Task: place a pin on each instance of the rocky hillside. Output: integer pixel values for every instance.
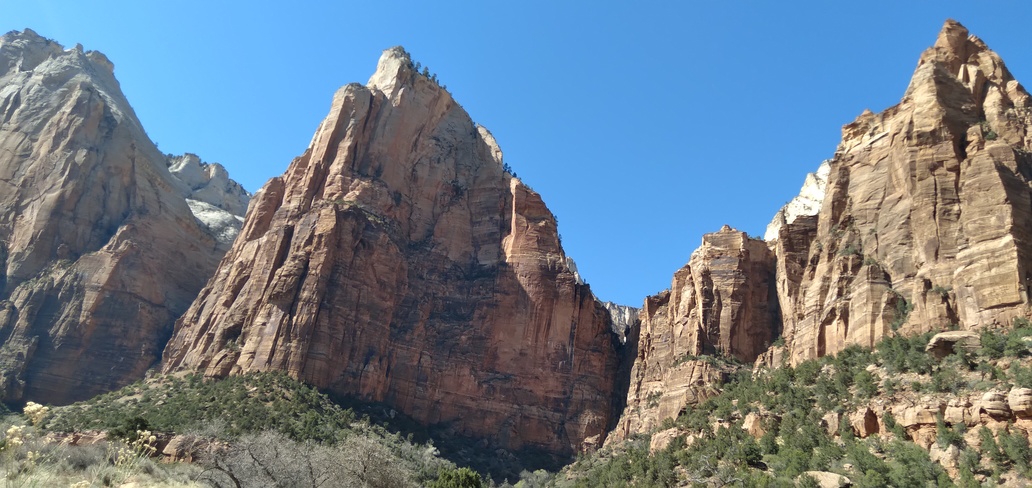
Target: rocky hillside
(397, 261)
(919, 223)
(99, 249)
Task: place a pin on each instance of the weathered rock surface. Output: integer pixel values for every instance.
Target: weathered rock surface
(945, 343)
(99, 251)
(215, 199)
(397, 262)
(721, 302)
(1020, 402)
(806, 204)
(827, 479)
(926, 220)
(864, 422)
(623, 318)
(995, 405)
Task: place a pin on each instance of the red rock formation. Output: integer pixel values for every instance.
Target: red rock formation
(99, 252)
(722, 302)
(396, 261)
(927, 217)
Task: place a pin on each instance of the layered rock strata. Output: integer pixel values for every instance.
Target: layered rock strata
(99, 251)
(926, 220)
(722, 303)
(396, 261)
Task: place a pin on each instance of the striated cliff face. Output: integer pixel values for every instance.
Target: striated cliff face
(927, 215)
(99, 251)
(722, 303)
(396, 262)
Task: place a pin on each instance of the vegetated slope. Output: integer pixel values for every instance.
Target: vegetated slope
(99, 249)
(919, 222)
(398, 261)
(259, 429)
(892, 416)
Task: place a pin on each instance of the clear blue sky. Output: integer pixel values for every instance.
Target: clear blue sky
(643, 125)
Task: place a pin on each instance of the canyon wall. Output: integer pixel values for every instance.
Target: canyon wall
(721, 307)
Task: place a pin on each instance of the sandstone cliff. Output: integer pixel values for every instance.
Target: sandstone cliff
(722, 303)
(99, 251)
(926, 217)
(397, 262)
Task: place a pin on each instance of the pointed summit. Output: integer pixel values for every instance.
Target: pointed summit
(953, 38)
(396, 261)
(969, 60)
(394, 69)
(929, 194)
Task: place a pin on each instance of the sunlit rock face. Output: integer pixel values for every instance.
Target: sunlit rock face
(397, 262)
(99, 251)
(722, 303)
(216, 200)
(927, 211)
(922, 220)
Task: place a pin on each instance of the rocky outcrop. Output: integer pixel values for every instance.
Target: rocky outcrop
(397, 261)
(215, 199)
(806, 204)
(99, 251)
(945, 343)
(926, 217)
(722, 303)
(623, 319)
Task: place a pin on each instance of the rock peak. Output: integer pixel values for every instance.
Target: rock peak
(953, 37)
(393, 70)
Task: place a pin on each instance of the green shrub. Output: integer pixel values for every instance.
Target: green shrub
(946, 436)
(457, 478)
(866, 384)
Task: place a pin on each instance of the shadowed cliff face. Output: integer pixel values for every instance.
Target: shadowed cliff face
(927, 217)
(99, 251)
(396, 262)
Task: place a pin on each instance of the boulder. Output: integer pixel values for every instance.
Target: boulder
(828, 480)
(864, 422)
(662, 439)
(1019, 400)
(995, 405)
(945, 343)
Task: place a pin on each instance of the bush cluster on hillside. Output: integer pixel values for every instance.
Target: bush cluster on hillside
(793, 402)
